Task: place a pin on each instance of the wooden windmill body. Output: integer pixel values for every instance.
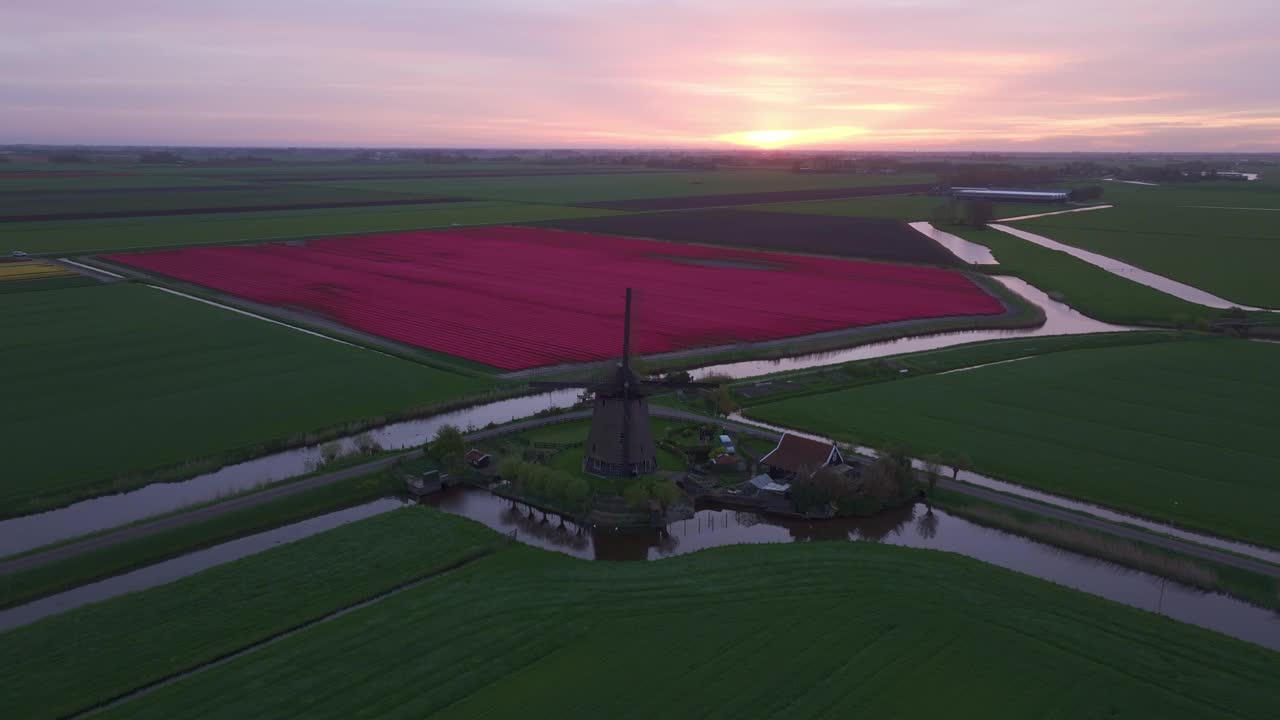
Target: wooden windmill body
(620, 443)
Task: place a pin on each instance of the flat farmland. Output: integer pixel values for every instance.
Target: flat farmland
(685, 202)
(77, 204)
(1221, 237)
(1182, 432)
(874, 239)
(1089, 289)
(498, 638)
(910, 208)
(108, 386)
(587, 188)
(72, 237)
(520, 297)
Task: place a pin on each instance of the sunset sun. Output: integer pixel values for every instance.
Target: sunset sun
(774, 139)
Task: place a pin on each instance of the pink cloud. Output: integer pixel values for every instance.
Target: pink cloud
(932, 74)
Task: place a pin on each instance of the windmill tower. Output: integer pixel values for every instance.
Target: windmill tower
(620, 443)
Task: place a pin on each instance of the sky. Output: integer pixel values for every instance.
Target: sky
(1025, 75)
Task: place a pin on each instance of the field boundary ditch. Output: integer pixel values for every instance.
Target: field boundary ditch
(179, 675)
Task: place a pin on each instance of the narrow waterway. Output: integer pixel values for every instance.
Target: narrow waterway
(167, 571)
(1240, 548)
(909, 527)
(101, 513)
(1130, 272)
(1060, 319)
(108, 511)
(970, 252)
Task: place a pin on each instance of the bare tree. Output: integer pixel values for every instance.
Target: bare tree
(932, 469)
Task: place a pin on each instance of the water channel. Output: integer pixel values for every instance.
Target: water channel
(1130, 272)
(909, 527)
(1240, 548)
(167, 571)
(101, 513)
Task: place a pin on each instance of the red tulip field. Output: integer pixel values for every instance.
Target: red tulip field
(520, 297)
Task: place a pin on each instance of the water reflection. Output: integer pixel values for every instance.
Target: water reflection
(1060, 319)
(908, 527)
(970, 252)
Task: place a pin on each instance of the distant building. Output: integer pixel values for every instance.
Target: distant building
(795, 455)
(1010, 195)
(1231, 175)
(477, 458)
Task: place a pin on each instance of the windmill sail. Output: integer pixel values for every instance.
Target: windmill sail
(620, 443)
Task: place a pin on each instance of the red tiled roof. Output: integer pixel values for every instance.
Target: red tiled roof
(795, 453)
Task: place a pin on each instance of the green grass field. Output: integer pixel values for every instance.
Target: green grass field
(119, 644)
(158, 201)
(70, 237)
(1189, 233)
(107, 385)
(1089, 289)
(601, 188)
(1182, 432)
(807, 630)
(24, 586)
(909, 208)
(569, 460)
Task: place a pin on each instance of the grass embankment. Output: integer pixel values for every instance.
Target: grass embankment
(147, 386)
(104, 650)
(863, 372)
(1089, 289)
(22, 587)
(1251, 587)
(1219, 236)
(74, 237)
(803, 630)
(1180, 432)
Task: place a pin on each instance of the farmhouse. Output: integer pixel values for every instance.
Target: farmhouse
(477, 458)
(1010, 195)
(795, 455)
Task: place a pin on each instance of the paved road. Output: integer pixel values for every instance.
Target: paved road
(253, 499)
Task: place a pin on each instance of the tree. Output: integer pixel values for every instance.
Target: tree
(449, 449)
(978, 212)
(330, 452)
(1086, 193)
(720, 400)
(958, 463)
(889, 477)
(509, 468)
(577, 494)
(814, 491)
(932, 469)
(678, 376)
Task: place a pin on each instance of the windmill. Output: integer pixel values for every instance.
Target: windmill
(620, 443)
